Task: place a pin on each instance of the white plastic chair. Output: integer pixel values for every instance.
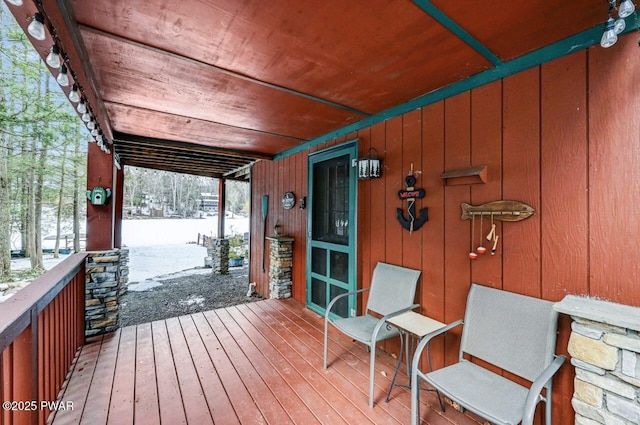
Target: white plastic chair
(392, 292)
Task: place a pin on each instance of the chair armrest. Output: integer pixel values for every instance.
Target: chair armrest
(536, 389)
(336, 298)
(423, 343)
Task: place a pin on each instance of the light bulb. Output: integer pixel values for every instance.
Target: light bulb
(107, 151)
(94, 132)
(53, 58)
(99, 138)
(36, 27)
(100, 142)
(619, 26)
(86, 117)
(609, 37)
(82, 108)
(63, 78)
(626, 8)
(15, 2)
(91, 125)
(73, 94)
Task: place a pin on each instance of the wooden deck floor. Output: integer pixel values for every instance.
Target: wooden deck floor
(257, 363)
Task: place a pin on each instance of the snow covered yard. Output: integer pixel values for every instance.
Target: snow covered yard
(156, 247)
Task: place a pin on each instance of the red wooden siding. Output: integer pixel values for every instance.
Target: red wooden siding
(41, 329)
(563, 137)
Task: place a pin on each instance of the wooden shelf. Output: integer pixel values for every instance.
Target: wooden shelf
(471, 175)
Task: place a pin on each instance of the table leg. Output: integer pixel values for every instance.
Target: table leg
(403, 348)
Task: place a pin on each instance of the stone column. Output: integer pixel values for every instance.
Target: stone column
(280, 264)
(605, 351)
(123, 279)
(102, 292)
(219, 254)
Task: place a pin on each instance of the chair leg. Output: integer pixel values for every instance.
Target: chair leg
(326, 342)
(547, 406)
(415, 398)
(372, 372)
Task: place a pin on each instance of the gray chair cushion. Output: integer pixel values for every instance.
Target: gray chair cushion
(501, 400)
(361, 328)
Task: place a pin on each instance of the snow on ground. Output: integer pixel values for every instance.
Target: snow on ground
(152, 282)
(148, 232)
(161, 246)
(158, 248)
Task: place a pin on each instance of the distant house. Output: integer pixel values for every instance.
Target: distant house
(208, 202)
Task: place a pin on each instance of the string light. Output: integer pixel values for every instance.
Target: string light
(74, 96)
(36, 27)
(609, 37)
(612, 28)
(53, 58)
(626, 8)
(63, 78)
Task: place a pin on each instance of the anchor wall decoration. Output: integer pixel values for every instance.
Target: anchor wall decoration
(410, 195)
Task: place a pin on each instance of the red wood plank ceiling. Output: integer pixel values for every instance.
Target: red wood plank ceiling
(254, 80)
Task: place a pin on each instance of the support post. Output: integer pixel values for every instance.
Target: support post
(118, 202)
(100, 218)
(222, 206)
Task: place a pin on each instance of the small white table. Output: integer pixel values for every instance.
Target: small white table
(414, 326)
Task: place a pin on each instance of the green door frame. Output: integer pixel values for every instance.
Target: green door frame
(349, 148)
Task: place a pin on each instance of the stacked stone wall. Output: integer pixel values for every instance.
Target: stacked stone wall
(280, 264)
(103, 283)
(218, 252)
(606, 357)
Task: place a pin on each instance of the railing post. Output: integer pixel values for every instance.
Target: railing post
(22, 374)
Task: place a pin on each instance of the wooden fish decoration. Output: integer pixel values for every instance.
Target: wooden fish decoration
(499, 210)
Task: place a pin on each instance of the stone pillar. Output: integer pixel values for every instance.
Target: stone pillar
(102, 292)
(123, 280)
(280, 263)
(605, 350)
(219, 254)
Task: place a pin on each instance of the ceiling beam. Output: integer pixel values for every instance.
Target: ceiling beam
(223, 70)
(191, 172)
(66, 11)
(177, 157)
(161, 143)
(460, 32)
(250, 130)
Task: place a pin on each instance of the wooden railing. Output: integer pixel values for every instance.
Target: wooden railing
(205, 240)
(41, 329)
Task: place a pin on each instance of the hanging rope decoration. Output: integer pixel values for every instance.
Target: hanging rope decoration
(410, 195)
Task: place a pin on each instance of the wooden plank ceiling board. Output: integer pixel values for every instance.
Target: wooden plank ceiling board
(131, 74)
(368, 55)
(513, 28)
(267, 79)
(160, 125)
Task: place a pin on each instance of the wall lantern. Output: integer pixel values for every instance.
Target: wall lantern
(370, 167)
